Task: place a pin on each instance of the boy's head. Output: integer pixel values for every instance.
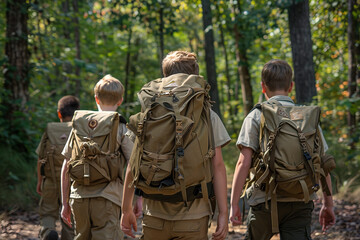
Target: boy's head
(277, 75)
(109, 91)
(180, 62)
(67, 105)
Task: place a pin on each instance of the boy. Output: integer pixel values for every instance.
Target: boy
(294, 217)
(96, 207)
(48, 169)
(170, 220)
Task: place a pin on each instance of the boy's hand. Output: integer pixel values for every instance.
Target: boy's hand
(138, 207)
(221, 228)
(235, 215)
(66, 214)
(128, 222)
(326, 217)
(38, 188)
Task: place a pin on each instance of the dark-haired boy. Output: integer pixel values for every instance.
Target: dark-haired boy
(294, 216)
(48, 169)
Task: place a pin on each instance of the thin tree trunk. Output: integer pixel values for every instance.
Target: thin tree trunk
(127, 65)
(210, 54)
(77, 46)
(227, 72)
(243, 65)
(352, 73)
(161, 36)
(135, 58)
(16, 50)
(301, 48)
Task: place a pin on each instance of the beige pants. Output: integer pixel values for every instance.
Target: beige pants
(161, 229)
(96, 219)
(49, 210)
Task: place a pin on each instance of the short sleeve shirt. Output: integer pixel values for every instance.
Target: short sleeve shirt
(112, 190)
(249, 137)
(199, 207)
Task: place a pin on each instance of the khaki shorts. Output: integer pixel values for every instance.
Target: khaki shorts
(96, 218)
(161, 229)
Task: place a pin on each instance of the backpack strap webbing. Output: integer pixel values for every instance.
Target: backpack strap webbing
(52, 167)
(193, 192)
(179, 152)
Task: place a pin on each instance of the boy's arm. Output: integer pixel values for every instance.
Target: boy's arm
(327, 216)
(39, 178)
(240, 174)
(221, 194)
(65, 193)
(128, 218)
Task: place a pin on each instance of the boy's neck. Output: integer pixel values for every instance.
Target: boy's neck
(102, 107)
(66, 119)
(270, 94)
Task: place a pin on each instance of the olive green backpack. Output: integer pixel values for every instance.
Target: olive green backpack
(57, 133)
(291, 161)
(96, 157)
(174, 146)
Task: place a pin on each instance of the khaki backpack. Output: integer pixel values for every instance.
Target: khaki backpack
(174, 146)
(289, 163)
(57, 133)
(96, 157)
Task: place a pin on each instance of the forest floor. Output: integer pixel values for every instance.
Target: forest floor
(23, 225)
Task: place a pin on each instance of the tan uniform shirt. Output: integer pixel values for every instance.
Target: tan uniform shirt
(249, 137)
(111, 191)
(199, 207)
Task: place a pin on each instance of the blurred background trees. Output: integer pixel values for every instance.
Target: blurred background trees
(55, 48)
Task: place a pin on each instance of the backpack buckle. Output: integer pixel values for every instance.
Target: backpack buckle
(179, 128)
(307, 156)
(180, 152)
(316, 187)
(140, 129)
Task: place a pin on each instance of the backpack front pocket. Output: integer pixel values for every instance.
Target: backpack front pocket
(156, 169)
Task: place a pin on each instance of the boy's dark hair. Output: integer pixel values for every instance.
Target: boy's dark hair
(277, 75)
(67, 105)
(180, 62)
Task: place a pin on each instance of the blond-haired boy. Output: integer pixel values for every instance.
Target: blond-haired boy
(173, 220)
(96, 208)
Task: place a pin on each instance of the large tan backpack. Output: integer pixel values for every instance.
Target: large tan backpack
(96, 157)
(174, 146)
(51, 163)
(289, 162)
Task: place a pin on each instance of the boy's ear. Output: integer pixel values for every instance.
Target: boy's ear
(291, 86)
(263, 87)
(120, 102)
(59, 115)
(97, 99)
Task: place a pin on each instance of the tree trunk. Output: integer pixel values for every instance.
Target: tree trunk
(301, 48)
(226, 58)
(77, 46)
(127, 66)
(243, 65)
(210, 55)
(352, 72)
(161, 36)
(16, 50)
(135, 58)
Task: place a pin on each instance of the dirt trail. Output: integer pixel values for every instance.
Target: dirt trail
(22, 225)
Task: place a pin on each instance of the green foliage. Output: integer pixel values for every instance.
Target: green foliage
(112, 31)
(17, 180)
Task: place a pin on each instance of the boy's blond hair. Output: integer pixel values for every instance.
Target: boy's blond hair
(277, 75)
(180, 62)
(109, 90)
